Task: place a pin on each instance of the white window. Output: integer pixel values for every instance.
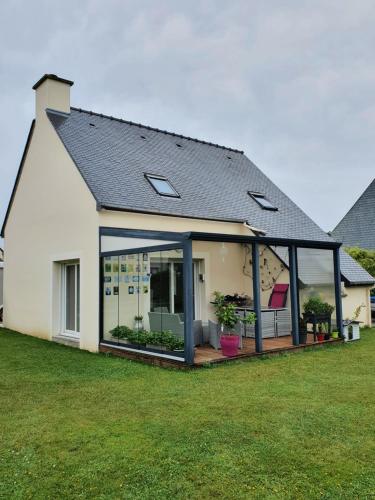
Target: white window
(70, 299)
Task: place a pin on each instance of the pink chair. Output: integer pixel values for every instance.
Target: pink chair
(278, 296)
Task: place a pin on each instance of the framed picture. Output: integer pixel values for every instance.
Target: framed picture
(135, 278)
(107, 279)
(115, 267)
(108, 267)
(123, 268)
(115, 290)
(108, 291)
(145, 289)
(131, 290)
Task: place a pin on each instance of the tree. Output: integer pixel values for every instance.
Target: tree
(366, 258)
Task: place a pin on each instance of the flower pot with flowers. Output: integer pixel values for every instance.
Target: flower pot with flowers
(226, 316)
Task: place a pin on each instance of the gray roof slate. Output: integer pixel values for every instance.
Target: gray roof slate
(212, 180)
(357, 228)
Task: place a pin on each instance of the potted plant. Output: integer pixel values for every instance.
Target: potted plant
(249, 319)
(320, 334)
(138, 322)
(335, 334)
(226, 316)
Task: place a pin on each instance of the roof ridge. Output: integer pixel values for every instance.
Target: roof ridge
(101, 115)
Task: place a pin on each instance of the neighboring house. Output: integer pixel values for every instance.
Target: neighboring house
(114, 228)
(357, 228)
(1, 283)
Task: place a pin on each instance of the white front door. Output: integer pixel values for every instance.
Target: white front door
(70, 299)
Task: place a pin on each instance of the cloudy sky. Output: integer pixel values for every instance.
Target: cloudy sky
(290, 82)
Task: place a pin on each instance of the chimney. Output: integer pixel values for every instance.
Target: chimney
(51, 92)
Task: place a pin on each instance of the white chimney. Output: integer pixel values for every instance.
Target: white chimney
(51, 92)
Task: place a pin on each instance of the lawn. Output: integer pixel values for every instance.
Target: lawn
(81, 425)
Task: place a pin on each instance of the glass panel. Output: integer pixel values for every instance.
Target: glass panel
(70, 298)
(316, 289)
(143, 301)
(162, 186)
(110, 273)
(225, 268)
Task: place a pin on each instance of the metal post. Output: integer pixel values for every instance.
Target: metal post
(337, 272)
(188, 302)
(294, 293)
(256, 294)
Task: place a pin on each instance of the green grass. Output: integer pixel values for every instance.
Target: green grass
(81, 425)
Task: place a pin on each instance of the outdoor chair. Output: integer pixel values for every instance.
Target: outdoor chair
(172, 322)
(278, 296)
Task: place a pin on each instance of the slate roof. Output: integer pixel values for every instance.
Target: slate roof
(213, 181)
(357, 228)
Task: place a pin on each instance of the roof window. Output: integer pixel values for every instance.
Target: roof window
(262, 201)
(162, 185)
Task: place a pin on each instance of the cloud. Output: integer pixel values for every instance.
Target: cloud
(291, 83)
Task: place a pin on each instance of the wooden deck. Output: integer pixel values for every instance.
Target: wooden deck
(207, 354)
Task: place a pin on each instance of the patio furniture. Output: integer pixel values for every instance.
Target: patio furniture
(278, 296)
(314, 320)
(275, 322)
(172, 322)
(214, 333)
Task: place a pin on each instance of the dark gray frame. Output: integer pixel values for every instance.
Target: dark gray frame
(184, 241)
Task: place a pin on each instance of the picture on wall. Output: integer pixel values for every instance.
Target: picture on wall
(115, 290)
(108, 267)
(145, 257)
(115, 267)
(123, 268)
(108, 291)
(131, 290)
(135, 278)
(145, 289)
(107, 279)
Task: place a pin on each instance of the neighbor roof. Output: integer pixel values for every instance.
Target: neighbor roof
(213, 181)
(357, 228)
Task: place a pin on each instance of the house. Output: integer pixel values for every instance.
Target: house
(1, 283)
(357, 227)
(130, 229)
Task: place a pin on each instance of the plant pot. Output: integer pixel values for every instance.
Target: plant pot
(327, 336)
(229, 345)
(335, 335)
(302, 338)
(320, 337)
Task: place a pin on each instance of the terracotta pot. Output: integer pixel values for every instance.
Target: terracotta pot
(320, 337)
(229, 345)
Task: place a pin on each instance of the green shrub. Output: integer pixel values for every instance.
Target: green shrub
(315, 305)
(142, 337)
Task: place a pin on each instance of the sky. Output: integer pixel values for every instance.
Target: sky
(292, 83)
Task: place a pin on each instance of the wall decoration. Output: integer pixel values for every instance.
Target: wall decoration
(269, 273)
(108, 291)
(135, 278)
(145, 289)
(123, 268)
(145, 279)
(107, 279)
(145, 257)
(107, 267)
(115, 267)
(115, 290)
(131, 290)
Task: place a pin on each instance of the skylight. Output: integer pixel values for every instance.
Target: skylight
(262, 201)
(162, 185)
